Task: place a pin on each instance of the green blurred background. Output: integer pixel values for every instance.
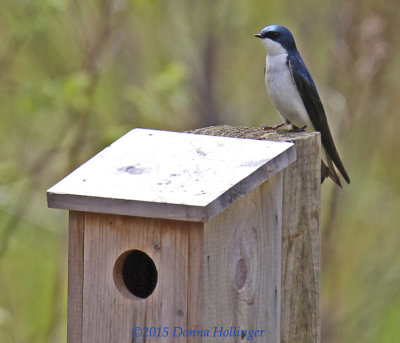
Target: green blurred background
(76, 75)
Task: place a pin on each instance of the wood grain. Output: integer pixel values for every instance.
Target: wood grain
(109, 316)
(75, 276)
(242, 252)
(301, 256)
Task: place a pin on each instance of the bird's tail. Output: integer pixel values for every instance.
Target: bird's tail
(328, 170)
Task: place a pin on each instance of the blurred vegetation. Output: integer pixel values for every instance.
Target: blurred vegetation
(76, 75)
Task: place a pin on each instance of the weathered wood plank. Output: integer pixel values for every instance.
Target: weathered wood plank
(195, 282)
(170, 175)
(75, 276)
(168, 243)
(301, 255)
(242, 252)
(300, 316)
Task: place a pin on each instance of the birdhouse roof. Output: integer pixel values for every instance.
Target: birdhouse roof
(171, 175)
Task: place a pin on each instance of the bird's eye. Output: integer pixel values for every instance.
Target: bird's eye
(271, 34)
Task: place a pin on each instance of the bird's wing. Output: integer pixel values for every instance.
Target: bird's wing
(308, 92)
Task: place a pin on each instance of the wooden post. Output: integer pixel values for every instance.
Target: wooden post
(301, 257)
(176, 237)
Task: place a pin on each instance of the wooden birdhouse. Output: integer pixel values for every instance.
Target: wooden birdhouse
(175, 237)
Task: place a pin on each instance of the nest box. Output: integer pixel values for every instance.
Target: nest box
(175, 237)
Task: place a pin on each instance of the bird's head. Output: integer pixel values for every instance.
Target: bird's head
(276, 39)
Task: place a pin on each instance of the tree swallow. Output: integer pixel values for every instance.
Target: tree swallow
(293, 92)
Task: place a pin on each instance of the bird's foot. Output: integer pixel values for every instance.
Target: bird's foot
(273, 127)
(296, 129)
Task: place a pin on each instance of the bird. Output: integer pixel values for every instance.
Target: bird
(293, 92)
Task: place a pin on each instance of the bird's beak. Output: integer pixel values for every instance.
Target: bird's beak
(258, 35)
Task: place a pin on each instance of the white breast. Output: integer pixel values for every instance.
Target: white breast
(283, 92)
